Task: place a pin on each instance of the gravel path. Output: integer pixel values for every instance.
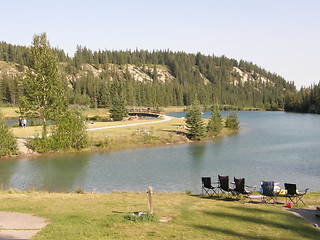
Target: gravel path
(166, 118)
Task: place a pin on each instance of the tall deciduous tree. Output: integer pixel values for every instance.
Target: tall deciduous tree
(195, 123)
(44, 96)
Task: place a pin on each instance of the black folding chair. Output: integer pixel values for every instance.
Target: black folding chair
(207, 186)
(240, 189)
(293, 195)
(268, 191)
(224, 186)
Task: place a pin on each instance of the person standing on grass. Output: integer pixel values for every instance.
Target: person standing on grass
(24, 122)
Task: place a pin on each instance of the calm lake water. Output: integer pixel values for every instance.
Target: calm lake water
(276, 146)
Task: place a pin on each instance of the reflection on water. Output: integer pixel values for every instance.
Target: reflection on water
(275, 146)
(47, 173)
(7, 169)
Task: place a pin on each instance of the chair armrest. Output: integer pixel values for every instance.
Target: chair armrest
(305, 191)
(254, 187)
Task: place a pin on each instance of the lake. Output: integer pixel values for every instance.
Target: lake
(275, 146)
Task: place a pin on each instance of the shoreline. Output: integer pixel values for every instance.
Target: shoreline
(119, 144)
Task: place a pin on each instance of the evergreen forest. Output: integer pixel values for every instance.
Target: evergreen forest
(153, 79)
(307, 100)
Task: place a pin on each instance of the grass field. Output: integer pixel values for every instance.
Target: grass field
(10, 112)
(104, 216)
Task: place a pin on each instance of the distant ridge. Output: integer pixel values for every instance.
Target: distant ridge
(155, 79)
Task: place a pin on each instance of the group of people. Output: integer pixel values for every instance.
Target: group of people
(22, 122)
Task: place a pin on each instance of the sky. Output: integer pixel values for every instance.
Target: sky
(281, 36)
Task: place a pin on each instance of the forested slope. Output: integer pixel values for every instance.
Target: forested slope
(144, 78)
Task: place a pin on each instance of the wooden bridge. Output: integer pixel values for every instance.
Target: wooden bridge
(144, 112)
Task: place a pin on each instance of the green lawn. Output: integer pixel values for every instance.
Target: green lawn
(102, 216)
(10, 112)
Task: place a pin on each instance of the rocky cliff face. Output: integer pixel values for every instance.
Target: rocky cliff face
(145, 73)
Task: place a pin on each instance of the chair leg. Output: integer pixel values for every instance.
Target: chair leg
(215, 192)
(299, 199)
(204, 191)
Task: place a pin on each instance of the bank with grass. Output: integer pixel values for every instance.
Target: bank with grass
(118, 135)
(108, 216)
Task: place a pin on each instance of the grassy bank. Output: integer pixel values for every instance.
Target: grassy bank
(10, 112)
(105, 216)
(155, 132)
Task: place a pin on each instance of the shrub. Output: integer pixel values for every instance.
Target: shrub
(8, 144)
(232, 121)
(68, 133)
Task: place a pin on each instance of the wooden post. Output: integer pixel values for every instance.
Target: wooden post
(150, 200)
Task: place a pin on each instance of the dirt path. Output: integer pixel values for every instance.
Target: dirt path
(308, 214)
(22, 146)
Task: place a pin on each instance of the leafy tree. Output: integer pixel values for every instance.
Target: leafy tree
(8, 145)
(195, 123)
(232, 121)
(69, 131)
(214, 126)
(118, 109)
(43, 88)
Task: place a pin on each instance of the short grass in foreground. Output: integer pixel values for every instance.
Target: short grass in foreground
(105, 216)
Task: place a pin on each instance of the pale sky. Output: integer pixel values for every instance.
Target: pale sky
(281, 36)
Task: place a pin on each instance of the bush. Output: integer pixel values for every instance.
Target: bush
(232, 121)
(68, 133)
(8, 144)
(40, 144)
(107, 142)
(149, 139)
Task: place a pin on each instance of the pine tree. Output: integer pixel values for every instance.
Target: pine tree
(118, 110)
(215, 123)
(195, 123)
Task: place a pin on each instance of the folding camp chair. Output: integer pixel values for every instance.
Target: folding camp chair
(207, 186)
(240, 187)
(268, 191)
(293, 195)
(224, 186)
